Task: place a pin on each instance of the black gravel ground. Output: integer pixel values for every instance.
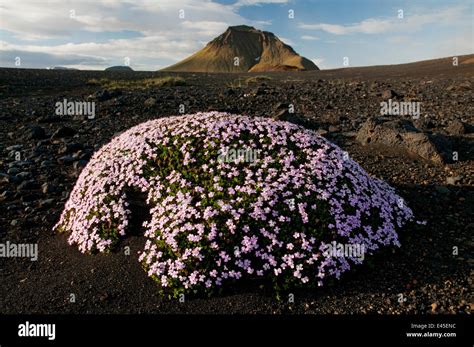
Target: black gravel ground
(426, 275)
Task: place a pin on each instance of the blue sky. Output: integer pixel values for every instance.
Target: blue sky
(152, 34)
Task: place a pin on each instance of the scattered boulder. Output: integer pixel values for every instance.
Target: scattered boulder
(70, 148)
(333, 119)
(463, 86)
(423, 123)
(389, 94)
(104, 94)
(66, 160)
(295, 118)
(466, 85)
(403, 135)
(282, 113)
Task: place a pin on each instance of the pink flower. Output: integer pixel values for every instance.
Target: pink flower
(212, 221)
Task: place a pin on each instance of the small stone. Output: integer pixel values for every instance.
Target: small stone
(389, 94)
(35, 132)
(453, 180)
(29, 197)
(104, 94)
(46, 163)
(70, 148)
(63, 132)
(282, 114)
(27, 185)
(66, 160)
(13, 171)
(150, 102)
(321, 131)
(46, 203)
(6, 195)
(14, 148)
(47, 188)
(24, 175)
(80, 164)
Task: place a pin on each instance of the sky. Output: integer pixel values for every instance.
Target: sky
(152, 34)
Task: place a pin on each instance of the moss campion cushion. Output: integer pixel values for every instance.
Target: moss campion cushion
(217, 218)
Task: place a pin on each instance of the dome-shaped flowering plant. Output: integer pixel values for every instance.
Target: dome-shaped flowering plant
(233, 197)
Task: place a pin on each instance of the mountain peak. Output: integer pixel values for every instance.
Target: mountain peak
(241, 28)
(243, 48)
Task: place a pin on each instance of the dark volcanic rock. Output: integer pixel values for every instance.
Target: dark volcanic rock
(423, 124)
(63, 132)
(35, 132)
(282, 112)
(48, 188)
(104, 94)
(70, 148)
(403, 135)
(389, 94)
(80, 164)
(285, 115)
(150, 102)
(66, 160)
(50, 119)
(28, 185)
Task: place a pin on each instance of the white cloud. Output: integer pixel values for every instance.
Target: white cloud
(309, 38)
(287, 41)
(318, 61)
(165, 36)
(151, 49)
(241, 3)
(454, 15)
(368, 26)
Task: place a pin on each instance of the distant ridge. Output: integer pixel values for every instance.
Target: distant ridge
(63, 68)
(119, 68)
